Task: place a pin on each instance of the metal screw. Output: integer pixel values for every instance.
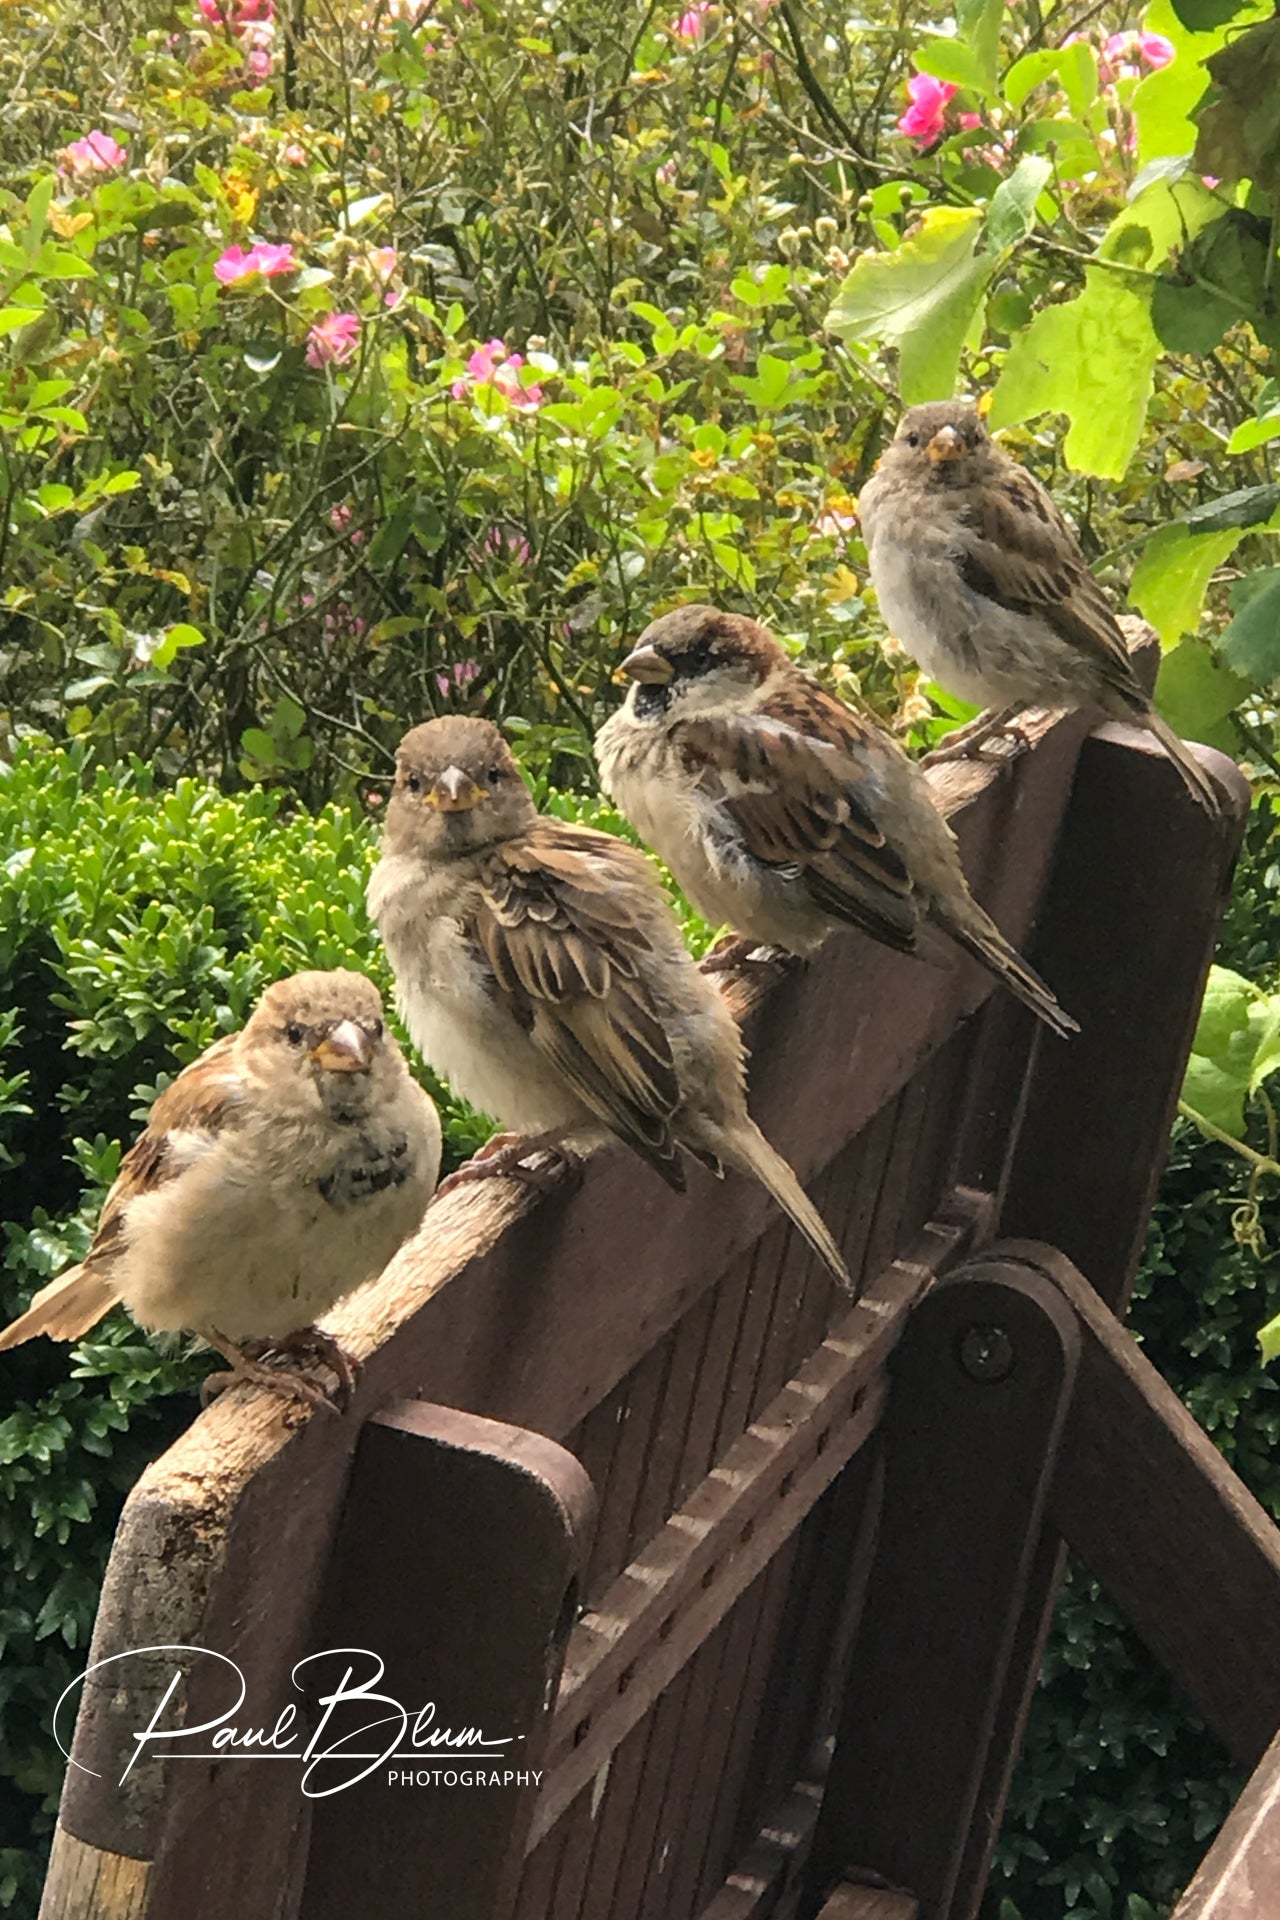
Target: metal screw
(986, 1354)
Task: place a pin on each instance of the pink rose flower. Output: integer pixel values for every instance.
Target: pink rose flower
(924, 120)
(295, 155)
(688, 25)
(492, 366)
(460, 675)
(383, 262)
(96, 153)
(263, 257)
(1155, 49)
(333, 340)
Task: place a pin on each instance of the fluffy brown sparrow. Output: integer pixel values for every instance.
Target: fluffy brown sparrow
(538, 965)
(781, 811)
(983, 582)
(277, 1172)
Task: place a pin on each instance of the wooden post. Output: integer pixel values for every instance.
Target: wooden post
(980, 1388)
(457, 1563)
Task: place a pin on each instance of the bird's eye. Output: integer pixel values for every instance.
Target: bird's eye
(295, 1034)
(376, 1030)
(494, 776)
(413, 783)
(913, 439)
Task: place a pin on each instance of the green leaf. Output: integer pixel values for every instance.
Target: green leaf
(122, 482)
(11, 318)
(175, 639)
(1093, 359)
(1076, 67)
(39, 201)
(1197, 693)
(1246, 507)
(921, 299)
(1222, 1052)
(1269, 1340)
(1012, 213)
(1164, 102)
(952, 60)
(979, 23)
(1251, 644)
(1240, 117)
(1255, 433)
(1170, 580)
(361, 209)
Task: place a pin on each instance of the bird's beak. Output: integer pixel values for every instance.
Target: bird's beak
(647, 664)
(946, 444)
(454, 792)
(346, 1048)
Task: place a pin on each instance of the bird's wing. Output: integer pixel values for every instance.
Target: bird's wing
(562, 925)
(195, 1107)
(796, 777)
(1022, 554)
(192, 1111)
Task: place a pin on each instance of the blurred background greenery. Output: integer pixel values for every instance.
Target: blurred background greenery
(371, 359)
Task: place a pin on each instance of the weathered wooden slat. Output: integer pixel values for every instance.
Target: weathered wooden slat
(469, 1619)
(980, 1386)
(768, 1868)
(1126, 936)
(1239, 1877)
(84, 1880)
(1144, 1497)
(870, 1903)
(699, 1869)
(684, 1582)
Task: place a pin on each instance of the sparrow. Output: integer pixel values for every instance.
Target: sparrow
(983, 582)
(277, 1172)
(539, 967)
(780, 810)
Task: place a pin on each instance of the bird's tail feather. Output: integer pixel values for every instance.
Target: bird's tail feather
(65, 1309)
(987, 944)
(748, 1150)
(1197, 781)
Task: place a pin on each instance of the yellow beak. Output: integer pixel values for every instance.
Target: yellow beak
(454, 792)
(346, 1048)
(946, 444)
(647, 664)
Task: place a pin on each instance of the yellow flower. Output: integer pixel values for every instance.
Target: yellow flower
(242, 198)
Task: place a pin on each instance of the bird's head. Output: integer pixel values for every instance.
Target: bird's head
(698, 659)
(943, 443)
(457, 789)
(321, 1037)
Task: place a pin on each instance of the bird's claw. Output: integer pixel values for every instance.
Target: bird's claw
(1002, 736)
(735, 950)
(511, 1157)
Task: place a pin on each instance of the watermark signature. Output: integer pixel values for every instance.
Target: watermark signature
(327, 1733)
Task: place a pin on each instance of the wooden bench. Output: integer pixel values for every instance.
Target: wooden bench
(753, 1580)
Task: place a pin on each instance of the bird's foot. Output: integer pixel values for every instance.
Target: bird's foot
(735, 950)
(540, 1161)
(313, 1347)
(297, 1388)
(1000, 736)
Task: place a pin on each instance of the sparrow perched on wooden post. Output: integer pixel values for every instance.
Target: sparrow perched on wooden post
(539, 966)
(983, 582)
(277, 1172)
(781, 811)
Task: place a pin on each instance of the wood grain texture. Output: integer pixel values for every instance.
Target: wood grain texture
(84, 1880)
(980, 1389)
(1239, 1878)
(1198, 1575)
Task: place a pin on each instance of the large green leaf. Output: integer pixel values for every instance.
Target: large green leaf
(1240, 117)
(1091, 358)
(1164, 102)
(1169, 582)
(1222, 1053)
(921, 299)
(1197, 694)
(1251, 644)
